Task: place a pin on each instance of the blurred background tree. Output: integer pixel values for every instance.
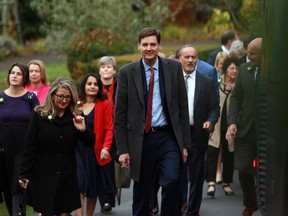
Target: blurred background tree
(88, 29)
(245, 15)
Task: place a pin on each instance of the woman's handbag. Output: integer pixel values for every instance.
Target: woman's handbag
(121, 180)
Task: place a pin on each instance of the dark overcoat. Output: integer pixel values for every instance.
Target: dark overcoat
(130, 109)
(243, 113)
(243, 107)
(49, 163)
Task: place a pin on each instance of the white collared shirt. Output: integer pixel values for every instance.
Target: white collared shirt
(225, 50)
(190, 80)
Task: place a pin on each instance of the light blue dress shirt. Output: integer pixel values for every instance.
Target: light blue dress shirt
(158, 116)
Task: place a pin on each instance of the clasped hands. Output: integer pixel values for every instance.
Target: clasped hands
(23, 183)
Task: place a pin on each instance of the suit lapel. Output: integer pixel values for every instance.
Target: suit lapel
(166, 87)
(250, 78)
(198, 86)
(136, 73)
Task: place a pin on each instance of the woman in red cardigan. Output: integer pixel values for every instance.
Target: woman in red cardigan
(107, 69)
(94, 165)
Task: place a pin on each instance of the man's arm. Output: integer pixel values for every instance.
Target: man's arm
(234, 108)
(121, 108)
(235, 100)
(214, 108)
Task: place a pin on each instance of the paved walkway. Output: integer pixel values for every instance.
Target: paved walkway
(47, 59)
(221, 205)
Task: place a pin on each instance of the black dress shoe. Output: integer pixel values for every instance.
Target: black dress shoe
(184, 208)
(106, 208)
(249, 211)
(228, 192)
(155, 210)
(211, 192)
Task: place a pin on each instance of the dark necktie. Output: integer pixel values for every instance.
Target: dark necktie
(149, 102)
(258, 83)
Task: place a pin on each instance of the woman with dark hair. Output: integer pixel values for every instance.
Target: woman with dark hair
(217, 139)
(94, 165)
(49, 164)
(16, 105)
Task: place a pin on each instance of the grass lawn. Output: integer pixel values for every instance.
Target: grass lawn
(53, 71)
(4, 212)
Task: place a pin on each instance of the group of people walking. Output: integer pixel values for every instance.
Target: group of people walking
(42, 126)
(163, 117)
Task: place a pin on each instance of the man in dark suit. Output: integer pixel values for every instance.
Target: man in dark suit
(209, 71)
(163, 140)
(226, 40)
(206, 69)
(242, 124)
(204, 112)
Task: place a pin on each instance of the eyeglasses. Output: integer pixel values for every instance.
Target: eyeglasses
(61, 97)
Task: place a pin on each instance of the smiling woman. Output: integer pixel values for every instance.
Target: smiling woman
(48, 164)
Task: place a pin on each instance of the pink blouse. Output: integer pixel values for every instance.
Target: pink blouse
(41, 91)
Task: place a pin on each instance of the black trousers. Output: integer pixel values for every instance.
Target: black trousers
(196, 167)
(227, 163)
(245, 152)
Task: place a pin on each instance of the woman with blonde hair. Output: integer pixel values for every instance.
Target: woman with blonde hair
(221, 56)
(49, 164)
(38, 82)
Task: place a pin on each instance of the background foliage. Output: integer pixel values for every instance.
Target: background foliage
(87, 30)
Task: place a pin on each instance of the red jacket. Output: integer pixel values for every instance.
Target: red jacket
(103, 128)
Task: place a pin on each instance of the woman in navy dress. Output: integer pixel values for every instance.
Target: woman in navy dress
(94, 165)
(16, 105)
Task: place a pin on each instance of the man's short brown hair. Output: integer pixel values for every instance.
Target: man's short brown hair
(146, 32)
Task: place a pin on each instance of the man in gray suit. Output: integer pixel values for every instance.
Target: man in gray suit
(161, 139)
(242, 123)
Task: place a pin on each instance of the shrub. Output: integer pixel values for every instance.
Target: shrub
(219, 22)
(173, 32)
(82, 52)
(7, 47)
